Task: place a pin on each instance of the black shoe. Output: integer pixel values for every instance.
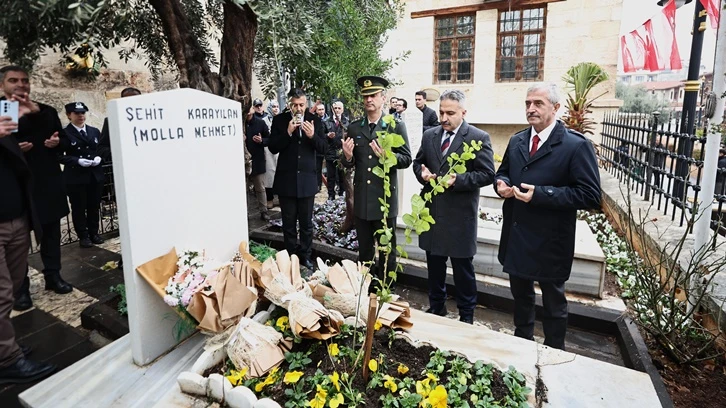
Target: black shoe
(25, 349)
(264, 216)
(96, 239)
(25, 371)
(86, 243)
(437, 312)
(23, 302)
(467, 319)
(54, 282)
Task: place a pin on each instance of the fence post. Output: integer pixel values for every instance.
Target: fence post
(651, 155)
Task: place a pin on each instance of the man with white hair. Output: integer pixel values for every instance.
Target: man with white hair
(337, 125)
(548, 172)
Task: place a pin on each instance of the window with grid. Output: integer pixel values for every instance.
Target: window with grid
(454, 49)
(520, 44)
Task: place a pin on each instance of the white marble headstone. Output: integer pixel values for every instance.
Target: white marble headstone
(407, 183)
(178, 162)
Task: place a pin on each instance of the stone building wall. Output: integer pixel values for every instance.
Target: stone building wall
(576, 31)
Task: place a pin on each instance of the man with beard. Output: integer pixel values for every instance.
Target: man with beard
(297, 135)
(362, 151)
(455, 211)
(39, 134)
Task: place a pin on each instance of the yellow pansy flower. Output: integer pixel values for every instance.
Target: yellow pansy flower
(333, 349)
(335, 380)
(390, 383)
(235, 377)
(291, 377)
(377, 326)
(402, 369)
(373, 365)
(336, 400)
(423, 388)
(319, 400)
(437, 398)
(283, 323)
(269, 380)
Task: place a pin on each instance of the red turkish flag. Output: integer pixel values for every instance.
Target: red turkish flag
(712, 8)
(653, 45)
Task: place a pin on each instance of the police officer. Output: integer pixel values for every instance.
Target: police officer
(83, 174)
(362, 151)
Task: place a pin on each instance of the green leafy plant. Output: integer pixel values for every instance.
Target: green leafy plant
(120, 289)
(581, 79)
(298, 359)
(261, 251)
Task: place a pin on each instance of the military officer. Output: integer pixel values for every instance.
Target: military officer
(83, 174)
(362, 151)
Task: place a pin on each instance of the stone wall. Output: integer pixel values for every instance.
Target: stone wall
(577, 31)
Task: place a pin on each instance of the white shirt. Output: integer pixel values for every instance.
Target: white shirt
(79, 129)
(451, 140)
(543, 135)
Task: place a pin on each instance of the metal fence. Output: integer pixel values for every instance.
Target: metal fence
(662, 165)
(108, 217)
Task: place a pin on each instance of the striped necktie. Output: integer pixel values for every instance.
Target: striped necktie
(447, 141)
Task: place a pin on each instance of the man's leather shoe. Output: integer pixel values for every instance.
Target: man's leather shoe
(86, 243)
(54, 282)
(438, 312)
(23, 302)
(96, 239)
(467, 319)
(25, 371)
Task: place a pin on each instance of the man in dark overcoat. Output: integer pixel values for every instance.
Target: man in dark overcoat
(548, 172)
(336, 127)
(257, 136)
(39, 133)
(453, 235)
(362, 151)
(17, 218)
(297, 135)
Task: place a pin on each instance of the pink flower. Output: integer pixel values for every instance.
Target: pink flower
(171, 301)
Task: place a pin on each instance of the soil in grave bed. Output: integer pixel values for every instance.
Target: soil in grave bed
(389, 359)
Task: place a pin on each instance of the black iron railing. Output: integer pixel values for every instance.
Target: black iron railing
(108, 218)
(662, 165)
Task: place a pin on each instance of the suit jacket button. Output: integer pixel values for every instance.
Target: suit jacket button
(370, 157)
(525, 169)
(369, 169)
(369, 182)
(549, 191)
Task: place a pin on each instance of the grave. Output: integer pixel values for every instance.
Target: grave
(180, 181)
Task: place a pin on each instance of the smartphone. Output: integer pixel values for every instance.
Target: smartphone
(10, 108)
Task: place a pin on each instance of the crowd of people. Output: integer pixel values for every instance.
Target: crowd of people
(547, 173)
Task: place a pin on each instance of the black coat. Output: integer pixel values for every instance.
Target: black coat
(77, 147)
(49, 194)
(295, 173)
(369, 187)
(20, 166)
(336, 143)
(721, 176)
(538, 238)
(430, 119)
(456, 209)
(257, 150)
(104, 143)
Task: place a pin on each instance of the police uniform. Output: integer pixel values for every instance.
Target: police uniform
(369, 187)
(84, 180)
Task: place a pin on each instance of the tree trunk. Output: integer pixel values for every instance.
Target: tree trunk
(190, 58)
(238, 52)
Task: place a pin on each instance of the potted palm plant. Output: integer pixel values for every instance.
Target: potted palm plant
(580, 80)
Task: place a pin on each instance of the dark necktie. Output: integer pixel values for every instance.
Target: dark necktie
(535, 144)
(373, 129)
(83, 133)
(447, 141)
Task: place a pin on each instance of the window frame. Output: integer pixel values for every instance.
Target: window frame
(454, 60)
(519, 45)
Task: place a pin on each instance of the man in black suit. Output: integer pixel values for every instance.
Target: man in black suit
(336, 126)
(257, 136)
(298, 136)
(362, 151)
(16, 219)
(39, 133)
(83, 174)
(548, 172)
(429, 116)
(455, 211)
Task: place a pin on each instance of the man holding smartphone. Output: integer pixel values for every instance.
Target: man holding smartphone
(362, 151)
(17, 218)
(298, 136)
(39, 134)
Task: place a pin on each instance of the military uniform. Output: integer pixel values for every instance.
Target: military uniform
(83, 183)
(368, 188)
